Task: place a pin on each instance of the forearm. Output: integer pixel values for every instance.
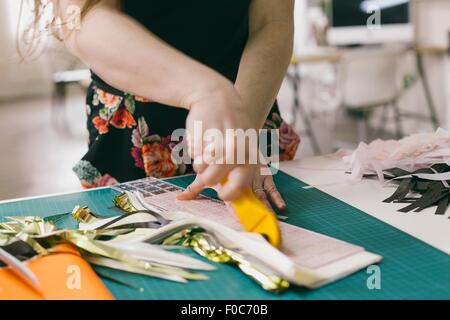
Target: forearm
(130, 58)
(264, 64)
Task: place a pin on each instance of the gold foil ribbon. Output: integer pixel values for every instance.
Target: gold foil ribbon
(122, 201)
(83, 215)
(101, 249)
(29, 229)
(202, 243)
(205, 245)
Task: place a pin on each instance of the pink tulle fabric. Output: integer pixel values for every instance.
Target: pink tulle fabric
(414, 152)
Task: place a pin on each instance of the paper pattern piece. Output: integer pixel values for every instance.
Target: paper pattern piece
(331, 258)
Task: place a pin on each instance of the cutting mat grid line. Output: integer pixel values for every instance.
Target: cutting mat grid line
(411, 269)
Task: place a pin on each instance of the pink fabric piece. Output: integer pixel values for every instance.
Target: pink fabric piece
(411, 153)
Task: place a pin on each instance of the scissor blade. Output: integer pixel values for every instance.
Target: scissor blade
(20, 269)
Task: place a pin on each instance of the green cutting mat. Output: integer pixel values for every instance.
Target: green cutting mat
(411, 269)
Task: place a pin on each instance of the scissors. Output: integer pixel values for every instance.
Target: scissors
(20, 269)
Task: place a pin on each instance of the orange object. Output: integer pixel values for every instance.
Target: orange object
(62, 275)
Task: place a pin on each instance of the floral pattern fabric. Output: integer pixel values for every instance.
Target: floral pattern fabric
(130, 138)
(289, 140)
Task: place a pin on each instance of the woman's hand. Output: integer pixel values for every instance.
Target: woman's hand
(265, 189)
(262, 185)
(217, 110)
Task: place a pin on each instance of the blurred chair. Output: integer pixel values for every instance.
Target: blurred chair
(368, 80)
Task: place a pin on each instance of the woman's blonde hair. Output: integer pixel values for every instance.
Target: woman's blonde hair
(43, 21)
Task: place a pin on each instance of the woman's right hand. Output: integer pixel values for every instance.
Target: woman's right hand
(219, 109)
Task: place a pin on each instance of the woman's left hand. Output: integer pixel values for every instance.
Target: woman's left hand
(263, 186)
(265, 189)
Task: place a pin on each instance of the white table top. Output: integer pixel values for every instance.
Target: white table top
(327, 174)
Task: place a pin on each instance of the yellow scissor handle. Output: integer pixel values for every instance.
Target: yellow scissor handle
(256, 217)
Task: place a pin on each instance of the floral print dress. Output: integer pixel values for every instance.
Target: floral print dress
(130, 138)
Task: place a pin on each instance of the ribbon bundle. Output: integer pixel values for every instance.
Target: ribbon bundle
(137, 241)
(29, 237)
